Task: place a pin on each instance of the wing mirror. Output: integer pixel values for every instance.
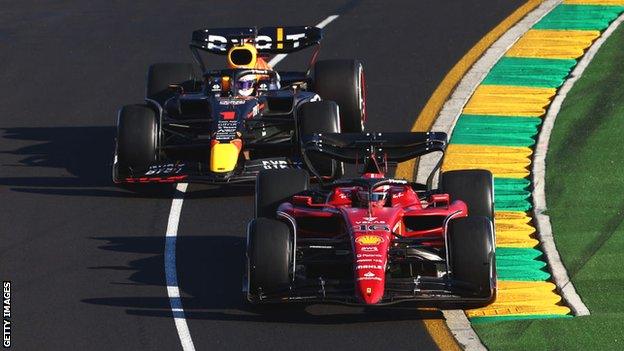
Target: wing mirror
(176, 88)
(439, 200)
(302, 200)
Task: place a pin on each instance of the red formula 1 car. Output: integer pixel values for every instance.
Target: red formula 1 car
(372, 240)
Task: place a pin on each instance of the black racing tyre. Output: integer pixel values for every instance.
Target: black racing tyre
(274, 186)
(474, 187)
(137, 137)
(321, 117)
(161, 75)
(472, 259)
(343, 81)
(269, 256)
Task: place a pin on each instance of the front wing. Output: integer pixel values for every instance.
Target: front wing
(198, 172)
(423, 291)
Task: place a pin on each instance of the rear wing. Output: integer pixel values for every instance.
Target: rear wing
(359, 147)
(273, 40)
(373, 150)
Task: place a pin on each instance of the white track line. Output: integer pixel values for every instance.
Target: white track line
(456, 320)
(560, 275)
(171, 275)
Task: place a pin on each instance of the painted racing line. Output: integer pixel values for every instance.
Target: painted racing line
(171, 275)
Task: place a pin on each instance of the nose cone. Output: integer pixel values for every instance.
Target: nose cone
(371, 291)
(224, 156)
(370, 268)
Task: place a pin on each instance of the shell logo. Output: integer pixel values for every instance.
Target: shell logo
(369, 240)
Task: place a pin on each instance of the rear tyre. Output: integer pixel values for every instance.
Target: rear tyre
(472, 260)
(161, 75)
(343, 81)
(137, 137)
(269, 257)
(321, 117)
(274, 186)
(474, 187)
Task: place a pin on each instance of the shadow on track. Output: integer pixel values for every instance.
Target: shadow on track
(210, 271)
(86, 154)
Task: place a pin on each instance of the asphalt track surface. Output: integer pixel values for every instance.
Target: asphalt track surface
(86, 258)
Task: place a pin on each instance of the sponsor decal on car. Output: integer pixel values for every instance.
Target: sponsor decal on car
(369, 249)
(226, 129)
(368, 260)
(369, 276)
(368, 266)
(368, 255)
(169, 168)
(228, 115)
(369, 240)
(370, 220)
(216, 42)
(274, 164)
(371, 227)
(232, 102)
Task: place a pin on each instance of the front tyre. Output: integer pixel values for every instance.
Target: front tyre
(474, 187)
(472, 259)
(274, 186)
(269, 258)
(137, 138)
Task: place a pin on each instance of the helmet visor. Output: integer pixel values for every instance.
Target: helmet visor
(245, 84)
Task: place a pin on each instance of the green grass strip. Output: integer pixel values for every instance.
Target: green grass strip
(584, 184)
(531, 72)
(489, 319)
(511, 194)
(496, 130)
(580, 17)
(520, 264)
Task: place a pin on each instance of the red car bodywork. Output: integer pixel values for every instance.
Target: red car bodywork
(374, 228)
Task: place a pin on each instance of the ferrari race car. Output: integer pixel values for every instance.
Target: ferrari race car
(372, 240)
(226, 125)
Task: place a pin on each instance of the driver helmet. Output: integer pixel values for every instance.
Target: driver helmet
(246, 84)
(378, 196)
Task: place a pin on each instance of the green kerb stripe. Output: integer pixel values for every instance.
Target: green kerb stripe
(530, 72)
(496, 130)
(480, 320)
(511, 194)
(580, 17)
(520, 264)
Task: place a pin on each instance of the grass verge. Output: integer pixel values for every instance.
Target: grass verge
(585, 196)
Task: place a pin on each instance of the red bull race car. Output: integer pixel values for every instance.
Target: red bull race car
(225, 125)
(372, 240)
